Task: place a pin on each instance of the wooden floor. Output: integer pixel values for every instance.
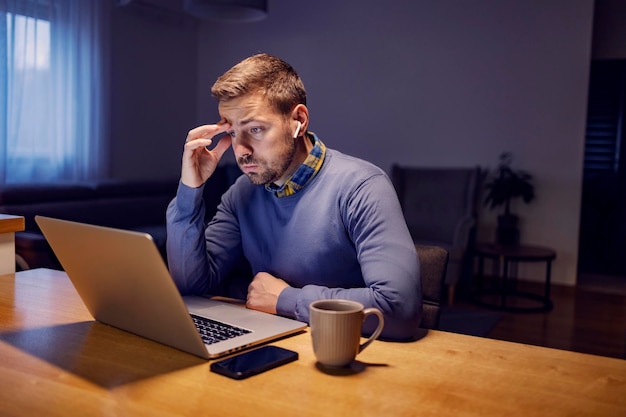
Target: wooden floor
(587, 318)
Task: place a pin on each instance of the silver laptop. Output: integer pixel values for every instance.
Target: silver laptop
(124, 282)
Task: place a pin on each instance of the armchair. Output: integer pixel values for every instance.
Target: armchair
(440, 208)
(433, 262)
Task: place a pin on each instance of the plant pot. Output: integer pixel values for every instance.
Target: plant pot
(507, 233)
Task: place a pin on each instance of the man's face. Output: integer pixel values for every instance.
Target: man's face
(262, 142)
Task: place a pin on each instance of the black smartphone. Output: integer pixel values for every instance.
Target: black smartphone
(254, 362)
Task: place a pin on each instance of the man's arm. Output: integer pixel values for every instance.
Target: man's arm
(389, 264)
(186, 248)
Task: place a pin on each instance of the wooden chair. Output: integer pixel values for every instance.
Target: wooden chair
(433, 265)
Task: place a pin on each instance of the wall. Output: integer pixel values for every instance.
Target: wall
(439, 84)
(153, 78)
(609, 31)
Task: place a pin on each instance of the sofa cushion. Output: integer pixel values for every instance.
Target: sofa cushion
(35, 250)
(21, 194)
(75, 210)
(115, 188)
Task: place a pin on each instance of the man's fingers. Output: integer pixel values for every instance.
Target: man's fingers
(207, 131)
(198, 143)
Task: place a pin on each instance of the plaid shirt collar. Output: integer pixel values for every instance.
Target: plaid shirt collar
(309, 168)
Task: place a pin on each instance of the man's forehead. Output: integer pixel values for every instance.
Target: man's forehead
(246, 108)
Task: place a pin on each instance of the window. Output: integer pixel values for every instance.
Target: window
(28, 89)
(52, 84)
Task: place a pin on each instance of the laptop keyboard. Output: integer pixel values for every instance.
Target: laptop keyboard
(213, 331)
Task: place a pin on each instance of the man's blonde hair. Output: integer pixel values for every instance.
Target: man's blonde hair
(265, 74)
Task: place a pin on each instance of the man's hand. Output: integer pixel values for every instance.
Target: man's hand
(263, 292)
(199, 163)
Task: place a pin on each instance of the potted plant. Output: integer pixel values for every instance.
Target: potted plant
(505, 185)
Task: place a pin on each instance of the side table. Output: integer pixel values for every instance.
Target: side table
(8, 226)
(504, 256)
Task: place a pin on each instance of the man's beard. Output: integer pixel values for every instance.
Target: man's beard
(269, 171)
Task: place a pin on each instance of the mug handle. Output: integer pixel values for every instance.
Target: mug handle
(381, 324)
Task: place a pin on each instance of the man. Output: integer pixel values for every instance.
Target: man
(312, 222)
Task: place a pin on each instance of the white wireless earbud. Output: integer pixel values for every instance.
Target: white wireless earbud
(297, 132)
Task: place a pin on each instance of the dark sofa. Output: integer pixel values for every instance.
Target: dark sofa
(131, 205)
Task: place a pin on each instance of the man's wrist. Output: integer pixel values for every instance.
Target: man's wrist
(188, 198)
(287, 301)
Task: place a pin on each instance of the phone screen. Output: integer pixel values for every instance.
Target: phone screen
(254, 362)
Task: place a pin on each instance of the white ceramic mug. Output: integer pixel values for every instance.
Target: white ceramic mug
(336, 330)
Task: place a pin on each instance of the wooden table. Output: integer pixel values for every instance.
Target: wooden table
(506, 289)
(8, 226)
(55, 361)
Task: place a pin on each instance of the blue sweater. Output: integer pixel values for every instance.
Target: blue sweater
(342, 236)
